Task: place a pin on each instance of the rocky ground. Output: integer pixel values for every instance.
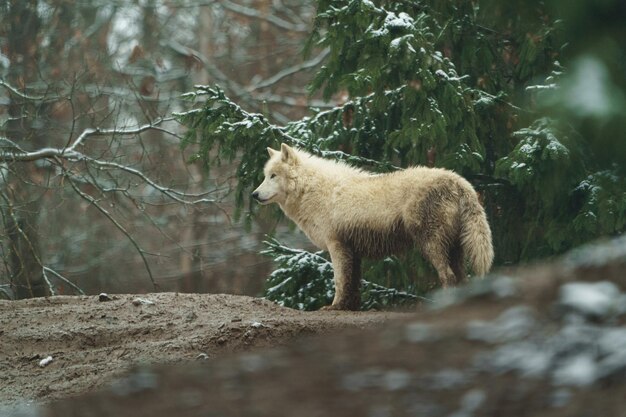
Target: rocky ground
(543, 341)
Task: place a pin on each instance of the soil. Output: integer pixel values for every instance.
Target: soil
(92, 341)
(540, 341)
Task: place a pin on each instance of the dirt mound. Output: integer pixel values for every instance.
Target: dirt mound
(92, 341)
(543, 341)
(549, 342)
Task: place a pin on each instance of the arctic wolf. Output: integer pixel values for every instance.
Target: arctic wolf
(354, 214)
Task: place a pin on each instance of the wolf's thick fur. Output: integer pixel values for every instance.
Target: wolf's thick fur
(353, 214)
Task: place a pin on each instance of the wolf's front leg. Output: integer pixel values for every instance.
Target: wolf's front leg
(347, 276)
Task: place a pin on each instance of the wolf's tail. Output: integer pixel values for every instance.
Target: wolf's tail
(476, 235)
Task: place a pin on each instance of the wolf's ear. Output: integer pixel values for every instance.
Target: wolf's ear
(288, 155)
(271, 151)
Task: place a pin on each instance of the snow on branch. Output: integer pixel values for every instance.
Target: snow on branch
(46, 269)
(70, 153)
(304, 280)
(231, 117)
(25, 96)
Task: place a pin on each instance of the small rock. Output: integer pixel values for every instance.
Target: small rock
(236, 319)
(104, 297)
(142, 301)
(45, 361)
(202, 356)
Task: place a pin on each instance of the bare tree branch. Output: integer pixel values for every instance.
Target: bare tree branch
(290, 71)
(275, 20)
(50, 286)
(25, 96)
(62, 278)
(121, 228)
(169, 192)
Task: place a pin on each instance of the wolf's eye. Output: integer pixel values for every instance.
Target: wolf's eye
(272, 176)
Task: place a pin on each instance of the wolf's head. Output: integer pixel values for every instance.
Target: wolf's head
(279, 176)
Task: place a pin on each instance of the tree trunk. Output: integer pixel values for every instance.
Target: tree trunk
(21, 206)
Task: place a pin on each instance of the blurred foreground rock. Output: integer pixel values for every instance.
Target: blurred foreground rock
(548, 340)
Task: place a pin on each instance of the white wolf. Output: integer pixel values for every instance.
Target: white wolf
(353, 214)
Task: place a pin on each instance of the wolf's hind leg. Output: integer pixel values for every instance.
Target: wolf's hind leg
(437, 255)
(347, 276)
(456, 262)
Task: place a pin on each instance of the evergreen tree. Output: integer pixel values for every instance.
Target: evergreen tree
(507, 94)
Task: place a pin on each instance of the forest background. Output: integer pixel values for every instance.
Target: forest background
(113, 179)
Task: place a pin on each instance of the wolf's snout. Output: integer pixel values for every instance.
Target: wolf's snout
(255, 195)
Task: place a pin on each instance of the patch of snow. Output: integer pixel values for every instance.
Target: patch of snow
(597, 255)
(556, 147)
(389, 380)
(504, 286)
(470, 402)
(527, 358)
(612, 340)
(541, 87)
(578, 370)
(529, 148)
(596, 299)
(484, 101)
(400, 21)
(420, 332)
(446, 379)
(513, 324)
(397, 42)
(377, 32)
(442, 74)
(396, 379)
(104, 297)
